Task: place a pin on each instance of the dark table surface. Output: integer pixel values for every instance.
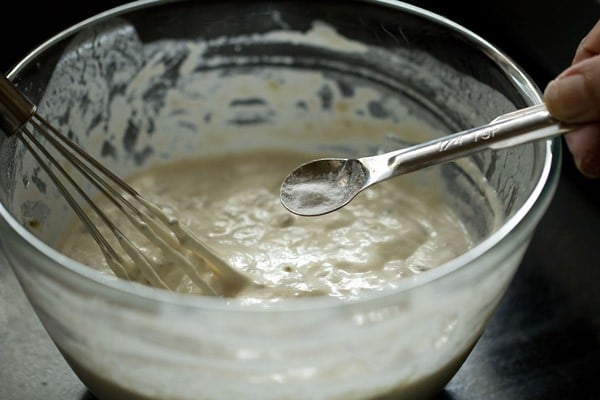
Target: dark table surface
(543, 342)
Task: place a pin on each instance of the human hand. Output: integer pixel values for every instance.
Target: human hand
(574, 96)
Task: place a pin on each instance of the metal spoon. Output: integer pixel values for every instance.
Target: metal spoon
(325, 185)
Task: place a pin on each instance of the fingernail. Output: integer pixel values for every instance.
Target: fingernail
(565, 97)
(589, 165)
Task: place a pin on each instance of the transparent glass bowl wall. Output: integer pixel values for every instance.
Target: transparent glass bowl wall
(124, 340)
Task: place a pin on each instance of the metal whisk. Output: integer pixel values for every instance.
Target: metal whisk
(18, 117)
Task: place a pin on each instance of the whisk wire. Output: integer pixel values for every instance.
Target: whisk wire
(115, 261)
(18, 116)
(144, 221)
(110, 254)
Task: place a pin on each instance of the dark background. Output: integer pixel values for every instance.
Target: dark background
(544, 340)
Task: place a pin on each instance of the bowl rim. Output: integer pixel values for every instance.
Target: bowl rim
(520, 224)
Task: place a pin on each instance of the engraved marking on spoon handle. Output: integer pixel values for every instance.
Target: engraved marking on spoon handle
(512, 129)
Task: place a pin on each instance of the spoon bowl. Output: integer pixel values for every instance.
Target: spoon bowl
(322, 186)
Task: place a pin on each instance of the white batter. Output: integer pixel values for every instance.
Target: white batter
(389, 232)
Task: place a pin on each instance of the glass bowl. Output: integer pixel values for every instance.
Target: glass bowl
(118, 82)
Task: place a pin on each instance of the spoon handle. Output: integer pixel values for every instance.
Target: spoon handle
(508, 130)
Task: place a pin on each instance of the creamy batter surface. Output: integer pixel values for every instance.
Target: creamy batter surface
(389, 232)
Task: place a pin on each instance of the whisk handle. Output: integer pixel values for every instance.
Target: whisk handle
(15, 108)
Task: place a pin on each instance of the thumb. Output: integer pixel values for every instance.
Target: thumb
(574, 96)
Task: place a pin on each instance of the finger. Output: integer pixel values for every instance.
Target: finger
(589, 46)
(574, 96)
(584, 145)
